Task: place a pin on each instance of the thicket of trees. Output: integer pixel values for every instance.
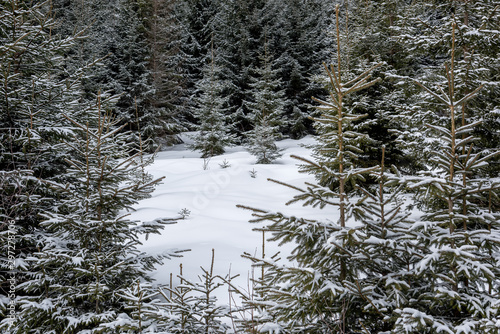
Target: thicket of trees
(67, 173)
(384, 267)
(88, 86)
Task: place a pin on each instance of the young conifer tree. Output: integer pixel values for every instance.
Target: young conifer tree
(318, 292)
(35, 91)
(178, 304)
(267, 107)
(140, 299)
(422, 35)
(189, 307)
(213, 133)
(253, 314)
(205, 309)
(262, 142)
(456, 278)
(162, 309)
(92, 251)
(341, 144)
(386, 251)
(369, 41)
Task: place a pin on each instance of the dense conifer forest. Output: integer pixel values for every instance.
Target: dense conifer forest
(403, 98)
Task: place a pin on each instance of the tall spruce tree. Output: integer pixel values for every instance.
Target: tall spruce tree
(456, 276)
(194, 18)
(236, 28)
(165, 64)
(130, 71)
(328, 285)
(297, 31)
(91, 249)
(35, 91)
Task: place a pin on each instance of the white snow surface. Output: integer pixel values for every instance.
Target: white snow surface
(211, 196)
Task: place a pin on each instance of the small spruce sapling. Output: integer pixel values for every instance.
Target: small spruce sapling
(253, 314)
(224, 164)
(158, 309)
(190, 307)
(262, 142)
(176, 313)
(206, 310)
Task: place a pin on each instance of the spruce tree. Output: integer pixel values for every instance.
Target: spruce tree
(162, 309)
(179, 305)
(253, 314)
(41, 83)
(131, 74)
(92, 250)
(456, 277)
(205, 309)
(236, 24)
(194, 18)
(386, 251)
(35, 91)
(267, 96)
(267, 107)
(165, 64)
(368, 38)
(141, 299)
(340, 145)
(262, 142)
(297, 31)
(100, 22)
(188, 307)
(423, 36)
(318, 292)
(213, 133)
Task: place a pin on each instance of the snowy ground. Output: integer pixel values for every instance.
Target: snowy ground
(211, 196)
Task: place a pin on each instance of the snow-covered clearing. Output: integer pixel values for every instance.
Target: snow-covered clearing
(211, 195)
